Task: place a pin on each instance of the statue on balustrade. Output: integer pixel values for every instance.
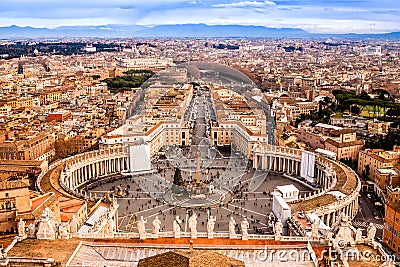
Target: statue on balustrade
(344, 232)
(111, 226)
(156, 227)
(359, 237)
(210, 226)
(63, 231)
(73, 225)
(176, 227)
(232, 230)
(46, 225)
(193, 225)
(21, 228)
(278, 229)
(244, 225)
(31, 230)
(314, 228)
(141, 225)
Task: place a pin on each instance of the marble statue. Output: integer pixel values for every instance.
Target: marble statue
(31, 230)
(156, 227)
(63, 232)
(314, 229)
(111, 226)
(114, 203)
(232, 230)
(73, 225)
(344, 232)
(48, 213)
(21, 228)
(244, 225)
(329, 236)
(359, 236)
(371, 231)
(193, 225)
(176, 227)
(210, 226)
(46, 225)
(141, 225)
(278, 229)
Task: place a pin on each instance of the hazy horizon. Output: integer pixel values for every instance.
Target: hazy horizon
(318, 16)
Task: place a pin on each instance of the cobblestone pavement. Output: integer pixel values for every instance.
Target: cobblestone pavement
(256, 206)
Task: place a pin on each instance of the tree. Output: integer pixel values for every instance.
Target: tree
(178, 177)
(364, 96)
(355, 109)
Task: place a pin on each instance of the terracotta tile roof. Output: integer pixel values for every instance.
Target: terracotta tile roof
(344, 144)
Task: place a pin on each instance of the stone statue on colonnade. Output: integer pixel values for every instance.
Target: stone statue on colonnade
(244, 225)
(232, 230)
(156, 227)
(141, 225)
(278, 229)
(176, 227)
(210, 226)
(193, 225)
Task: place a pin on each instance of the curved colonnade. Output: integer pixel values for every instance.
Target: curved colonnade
(82, 169)
(339, 185)
(335, 180)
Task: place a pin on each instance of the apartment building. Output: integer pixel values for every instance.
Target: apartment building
(370, 160)
(156, 134)
(342, 142)
(14, 198)
(145, 63)
(37, 147)
(391, 231)
(344, 150)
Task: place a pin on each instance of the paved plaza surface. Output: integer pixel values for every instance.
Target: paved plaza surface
(256, 206)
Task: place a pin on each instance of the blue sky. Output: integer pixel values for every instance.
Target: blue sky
(330, 16)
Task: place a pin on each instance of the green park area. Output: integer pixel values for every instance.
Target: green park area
(380, 106)
(131, 79)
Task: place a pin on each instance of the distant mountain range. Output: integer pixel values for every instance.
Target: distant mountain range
(177, 31)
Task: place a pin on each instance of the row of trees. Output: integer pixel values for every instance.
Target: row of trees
(348, 100)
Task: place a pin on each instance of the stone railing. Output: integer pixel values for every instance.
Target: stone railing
(170, 234)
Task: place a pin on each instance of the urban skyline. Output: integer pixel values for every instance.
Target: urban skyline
(332, 16)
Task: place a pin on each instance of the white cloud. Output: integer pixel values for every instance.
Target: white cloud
(245, 4)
